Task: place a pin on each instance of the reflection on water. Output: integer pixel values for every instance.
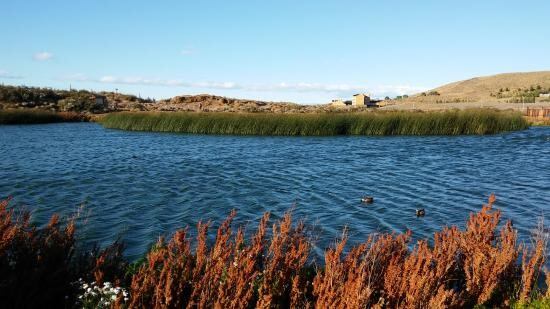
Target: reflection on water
(141, 185)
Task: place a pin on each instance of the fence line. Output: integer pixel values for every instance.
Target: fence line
(538, 112)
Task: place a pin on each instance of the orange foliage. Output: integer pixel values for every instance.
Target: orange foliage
(358, 280)
(461, 268)
(478, 265)
(533, 268)
(33, 262)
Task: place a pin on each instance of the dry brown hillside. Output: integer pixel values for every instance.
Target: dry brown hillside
(482, 87)
(212, 103)
(508, 87)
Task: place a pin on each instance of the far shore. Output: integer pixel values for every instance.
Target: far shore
(38, 115)
(464, 105)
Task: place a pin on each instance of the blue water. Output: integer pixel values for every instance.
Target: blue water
(142, 185)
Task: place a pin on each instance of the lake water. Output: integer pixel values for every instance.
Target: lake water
(141, 185)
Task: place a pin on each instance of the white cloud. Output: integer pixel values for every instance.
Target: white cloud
(334, 90)
(306, 87)
(42, 56)
(8, 75)
(108, 79)
(216, 85)
(341, 90)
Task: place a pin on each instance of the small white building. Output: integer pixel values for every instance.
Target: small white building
(358, 100)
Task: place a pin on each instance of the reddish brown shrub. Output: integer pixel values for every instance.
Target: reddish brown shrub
(233, 274)
(489, 261)
(164, 280)
(34, 262)
(287, 255)
(271, 269)
(237, 290)
(425, 277)
(532, 269)
(358, 280)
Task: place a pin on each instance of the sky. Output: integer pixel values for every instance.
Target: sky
(308, 51)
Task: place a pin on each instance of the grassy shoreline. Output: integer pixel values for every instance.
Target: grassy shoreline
(482, 264)
(474, 121)
(27, 116)
(467, 122)
(538, 122)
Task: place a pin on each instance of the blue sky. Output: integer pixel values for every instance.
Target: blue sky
(300, 51)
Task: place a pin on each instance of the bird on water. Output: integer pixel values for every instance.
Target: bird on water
(367, 199)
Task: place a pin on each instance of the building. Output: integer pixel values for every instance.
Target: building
(544, 95)
(538, 112)
(100, 100)
(360, 99)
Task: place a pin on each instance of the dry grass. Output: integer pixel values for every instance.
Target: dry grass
(501, 91)
(480, 88)
(482, 264)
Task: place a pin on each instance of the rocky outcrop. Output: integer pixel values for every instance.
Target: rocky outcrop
(212, 103)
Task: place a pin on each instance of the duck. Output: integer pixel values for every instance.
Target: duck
(367, 199)
(420, 212)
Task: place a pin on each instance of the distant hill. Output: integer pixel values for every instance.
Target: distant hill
(213, 103)
(22, 97)
(482, 87)
(66, 100)
(508, 87)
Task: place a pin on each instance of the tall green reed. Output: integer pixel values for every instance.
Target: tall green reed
(478, 121)
(27, 116)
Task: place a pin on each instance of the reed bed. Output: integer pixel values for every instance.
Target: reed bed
(482, 264)
(479, 121)
(538, 122)
(26, 116)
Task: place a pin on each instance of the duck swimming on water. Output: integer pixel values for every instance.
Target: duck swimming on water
(367, 199)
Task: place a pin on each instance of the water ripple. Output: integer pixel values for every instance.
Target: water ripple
(142, 185)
